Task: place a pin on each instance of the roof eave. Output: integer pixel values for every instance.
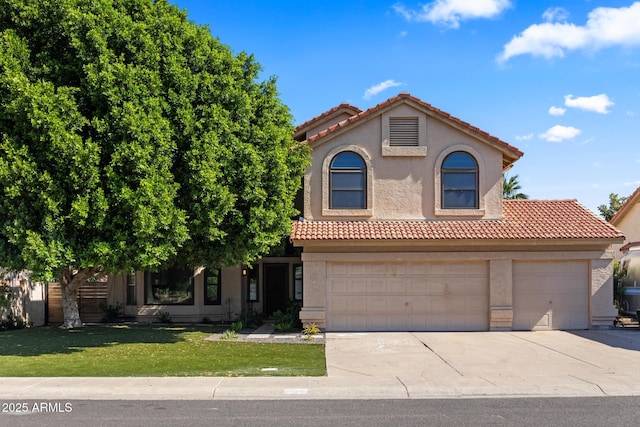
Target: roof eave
(467, 245)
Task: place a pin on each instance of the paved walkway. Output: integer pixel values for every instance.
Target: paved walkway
(401, 366)
(266, 333)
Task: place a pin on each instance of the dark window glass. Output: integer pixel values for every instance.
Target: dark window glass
(212, 286)
(173, 286)
(297, 284)
(347, 160)
(252, 284)
(459, 181)
(131, 289)
(348, 181)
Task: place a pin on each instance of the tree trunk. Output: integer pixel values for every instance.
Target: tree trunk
(70, 283)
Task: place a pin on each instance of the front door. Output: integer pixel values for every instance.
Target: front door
(276, 283)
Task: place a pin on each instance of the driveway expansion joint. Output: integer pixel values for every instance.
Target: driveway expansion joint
(406, 390)
(592, 383)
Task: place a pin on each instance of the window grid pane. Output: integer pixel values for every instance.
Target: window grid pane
(212, 284)
(459, 181)
(347, 181)
(169, 287)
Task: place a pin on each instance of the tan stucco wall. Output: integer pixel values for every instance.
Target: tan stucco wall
(630, 226)
(229, 309)
(602, 311)
(405, 187)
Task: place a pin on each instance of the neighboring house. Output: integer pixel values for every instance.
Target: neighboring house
(627, 220)
(405, 228)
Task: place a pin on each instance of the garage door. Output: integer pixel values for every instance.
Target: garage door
(404, 296)
(550, 295)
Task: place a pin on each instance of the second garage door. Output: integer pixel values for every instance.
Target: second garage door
(406, 296)
(550, 295)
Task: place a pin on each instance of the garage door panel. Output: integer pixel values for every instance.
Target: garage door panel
(435, 286)
(338, 285)
(550, 295)
(337, 269)
(408, 296)
(415, 286)
(376, 286)
(357, 286)
(476, 304)
(418, 304)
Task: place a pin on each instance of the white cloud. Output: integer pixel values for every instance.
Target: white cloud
(606, 26)
(630, 113)
(559, 133)
(450, 12)
(597, 103)
(555, 14)
(557, 111)
(524, 137)
(374, 90)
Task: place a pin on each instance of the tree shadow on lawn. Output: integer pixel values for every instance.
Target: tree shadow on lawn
(54, 340)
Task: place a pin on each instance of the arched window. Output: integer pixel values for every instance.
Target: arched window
(459, 181)
(348, 175)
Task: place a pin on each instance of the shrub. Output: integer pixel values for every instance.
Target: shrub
(111, 312)
(164, 317)
(229, 335)
(309, 331)
(236, 327)
(12, 322)
(7, 319)
(291, 314)
(252, 318)
(283, 326)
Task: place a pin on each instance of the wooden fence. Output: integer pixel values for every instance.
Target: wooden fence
(90, 296)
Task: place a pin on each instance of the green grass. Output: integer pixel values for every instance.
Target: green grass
(114, 351)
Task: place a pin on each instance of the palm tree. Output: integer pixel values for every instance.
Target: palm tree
(511, 188)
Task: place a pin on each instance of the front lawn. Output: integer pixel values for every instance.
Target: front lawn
(120, 351)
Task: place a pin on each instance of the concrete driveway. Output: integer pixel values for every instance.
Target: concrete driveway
(432, 364)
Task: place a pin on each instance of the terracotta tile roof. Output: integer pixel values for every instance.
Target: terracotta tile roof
(626, 206)
(523, 219)
(515, 153)
(344, 107)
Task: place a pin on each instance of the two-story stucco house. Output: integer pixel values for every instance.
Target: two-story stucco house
(405, 228)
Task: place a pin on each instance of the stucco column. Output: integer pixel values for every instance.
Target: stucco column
(500, 295)
(315, 293)
(603, 312)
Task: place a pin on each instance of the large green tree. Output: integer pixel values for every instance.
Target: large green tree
(130, 139)
(615, 203)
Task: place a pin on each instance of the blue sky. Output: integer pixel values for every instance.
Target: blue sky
(560, 80)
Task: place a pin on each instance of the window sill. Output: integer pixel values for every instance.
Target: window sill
(348, 212)
(473, 213)
(388, 151)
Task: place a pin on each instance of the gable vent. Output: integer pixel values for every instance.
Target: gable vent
(403, 131)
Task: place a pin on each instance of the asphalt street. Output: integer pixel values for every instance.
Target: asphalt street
(566, 412)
